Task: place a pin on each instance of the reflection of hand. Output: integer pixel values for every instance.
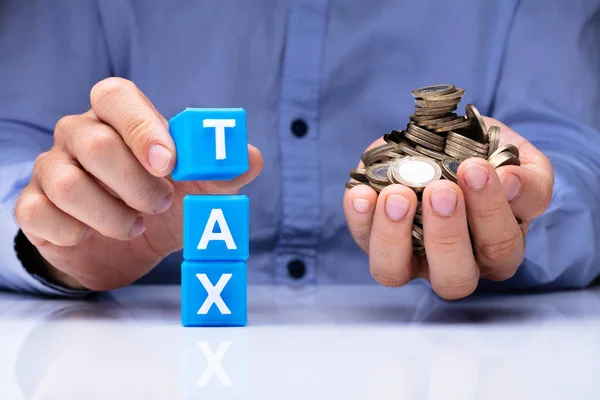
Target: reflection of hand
(100, 208)
(485, 198)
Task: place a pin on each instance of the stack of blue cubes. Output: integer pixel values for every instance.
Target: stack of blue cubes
(212, 144)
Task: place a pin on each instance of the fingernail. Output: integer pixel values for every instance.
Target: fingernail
(138, 228)
(444, 200)
(159, 157)
(476, 176)
(396, 207)
(361, 205)
(164, 204)
(512, 186)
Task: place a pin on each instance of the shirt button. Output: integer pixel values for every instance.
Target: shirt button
(299, 128)
(296, 269)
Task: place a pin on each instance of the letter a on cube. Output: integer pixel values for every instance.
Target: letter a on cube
(211, 143)
(214, 293)
(216, 228)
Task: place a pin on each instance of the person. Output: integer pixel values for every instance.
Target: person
(87, 88)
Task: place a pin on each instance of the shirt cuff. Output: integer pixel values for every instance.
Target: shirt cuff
(13, 275)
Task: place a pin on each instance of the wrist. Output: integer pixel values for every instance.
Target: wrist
(36, 265)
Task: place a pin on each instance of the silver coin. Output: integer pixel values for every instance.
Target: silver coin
(450, 168)
(358, 174)
(416, 172)
(378, 173)
(433, 91)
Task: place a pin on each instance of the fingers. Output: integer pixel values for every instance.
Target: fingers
(255, 165)
(528, 192)
(499, 245)
(359, 207)
(452, 268)
(41, 221)
(120, 104)
(103, 153)
(390, 244)
(75, 193)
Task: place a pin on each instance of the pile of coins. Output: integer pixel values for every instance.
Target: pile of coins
(434, 143)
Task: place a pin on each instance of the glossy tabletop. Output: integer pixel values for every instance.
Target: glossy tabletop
(325, 342)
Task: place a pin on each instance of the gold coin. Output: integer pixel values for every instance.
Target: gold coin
(427, 120)
(458, 155)
(417, 233)
(358, 174)
(425, 134)
(457, 94)
(511, 148)
(474, 115)
(384, 157)
(433, 91)
(463, 149)
(416, 172)
(504, 158)
(377, 173)
(430, 153)
(434, 111)
(378, 188)
(351, 184)
(467, 142)
(437, 103)
(456, 124)
(494, 135)
(424, 143)
(368, 155)
(408, 149)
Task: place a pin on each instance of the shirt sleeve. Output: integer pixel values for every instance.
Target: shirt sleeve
(52, 54)
(549, 92)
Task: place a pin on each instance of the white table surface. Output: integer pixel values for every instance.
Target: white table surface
(328, 342)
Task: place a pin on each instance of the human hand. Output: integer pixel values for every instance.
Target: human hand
(100, 207)
(485, 200)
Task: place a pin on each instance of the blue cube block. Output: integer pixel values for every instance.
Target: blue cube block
(216, 227)
(214, 293)
(211, 143)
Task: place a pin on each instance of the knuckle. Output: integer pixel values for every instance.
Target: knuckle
(109, 87)
(502, 274)
(65, 124)
(139, 127)
(500, 250)
(26, 208)
(69, 234)
(488, 213)
(448, 242)
(63, 184)
(99, 144)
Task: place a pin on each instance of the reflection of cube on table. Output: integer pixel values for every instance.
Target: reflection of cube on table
(212, 145)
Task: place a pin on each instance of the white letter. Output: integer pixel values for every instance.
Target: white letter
(219, 125)
(214, 293)
(213, 364)
(216, 215)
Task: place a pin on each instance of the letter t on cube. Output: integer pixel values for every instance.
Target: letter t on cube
(211, 143)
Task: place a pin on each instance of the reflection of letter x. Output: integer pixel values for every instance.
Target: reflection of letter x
(213, 364)
(214, 293)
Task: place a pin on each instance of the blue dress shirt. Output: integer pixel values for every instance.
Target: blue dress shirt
(340, 72)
